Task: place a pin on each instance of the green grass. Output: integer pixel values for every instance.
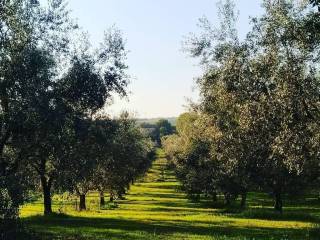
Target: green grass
(155, 209)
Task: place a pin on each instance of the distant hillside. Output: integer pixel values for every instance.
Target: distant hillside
(172, 120)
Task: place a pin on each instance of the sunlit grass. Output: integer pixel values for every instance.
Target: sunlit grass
(156, 209)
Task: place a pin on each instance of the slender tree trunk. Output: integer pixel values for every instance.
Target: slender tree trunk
(278, 202)
(214, 197)
(47, 201)
(227, 198)
(243, 200)
(111, 196)
(102, 201)
(46, 188)
(120, 196)
(82, 204)
(120, 193)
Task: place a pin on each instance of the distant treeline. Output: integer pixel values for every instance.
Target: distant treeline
(154, 121)
(157, 130)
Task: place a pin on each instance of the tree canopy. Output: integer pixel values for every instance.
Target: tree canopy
(256, 126)
(53, 87)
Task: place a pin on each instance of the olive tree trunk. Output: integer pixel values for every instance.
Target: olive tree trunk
(243, 200)
(102, 201)
(82, 203)
(111, 196)
(46, 189)
(278, 202)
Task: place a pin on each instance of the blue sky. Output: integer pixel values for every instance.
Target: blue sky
(162, 75)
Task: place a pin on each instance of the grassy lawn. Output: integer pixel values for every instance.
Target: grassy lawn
(155, 209)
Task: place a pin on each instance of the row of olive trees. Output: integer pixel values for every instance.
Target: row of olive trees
(257, 125)
(158, 130)
(52, 88)
(105, 156)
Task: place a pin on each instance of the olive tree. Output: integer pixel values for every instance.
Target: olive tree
(15, 35)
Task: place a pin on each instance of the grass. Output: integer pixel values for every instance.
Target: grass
(155, 209)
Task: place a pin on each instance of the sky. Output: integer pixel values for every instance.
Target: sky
(162, 75)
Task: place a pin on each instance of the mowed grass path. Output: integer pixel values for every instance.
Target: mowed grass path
(155, 209)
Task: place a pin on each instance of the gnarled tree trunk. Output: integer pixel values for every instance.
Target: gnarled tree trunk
(102, 201)
(278, 202)
(111, 196)
(243, 199)
(214, 197)
(46, 188)
(227, 198)
(82, 204)
(120, 193)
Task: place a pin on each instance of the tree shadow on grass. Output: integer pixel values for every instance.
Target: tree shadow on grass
(159, 195)
(270, 214)
(302, 210)
(94, 228)
(152, 186)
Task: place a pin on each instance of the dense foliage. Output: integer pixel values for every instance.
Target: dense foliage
(52, 87)
(257, 124)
